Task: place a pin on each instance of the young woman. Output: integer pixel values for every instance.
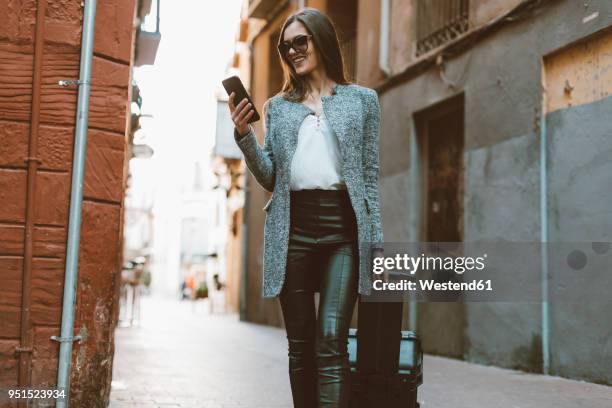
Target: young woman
(320, 161)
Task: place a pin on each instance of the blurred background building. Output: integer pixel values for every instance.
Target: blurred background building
(474, 95)
(229, 170)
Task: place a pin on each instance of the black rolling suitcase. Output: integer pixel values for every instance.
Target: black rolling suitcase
(386, 363)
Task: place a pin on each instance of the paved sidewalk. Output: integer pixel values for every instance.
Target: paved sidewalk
(182, 356)
(450, 383)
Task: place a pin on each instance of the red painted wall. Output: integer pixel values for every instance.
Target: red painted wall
(99, 260)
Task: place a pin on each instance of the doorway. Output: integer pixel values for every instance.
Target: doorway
(440, 137)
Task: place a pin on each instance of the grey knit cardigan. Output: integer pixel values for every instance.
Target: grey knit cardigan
(353, 112)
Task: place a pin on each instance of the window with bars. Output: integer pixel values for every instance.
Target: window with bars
(439, 21)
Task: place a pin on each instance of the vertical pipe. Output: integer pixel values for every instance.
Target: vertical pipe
(414, 198)
(544, 231)
(157, 17)
(383, 48)
(25, 346)
(76, 200)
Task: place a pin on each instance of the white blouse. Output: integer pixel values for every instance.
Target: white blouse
(317, 161)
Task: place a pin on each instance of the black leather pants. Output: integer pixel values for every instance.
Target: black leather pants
(323, 257)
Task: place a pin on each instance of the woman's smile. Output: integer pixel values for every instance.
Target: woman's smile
(297, 60)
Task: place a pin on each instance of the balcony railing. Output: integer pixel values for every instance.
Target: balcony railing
(439, 21)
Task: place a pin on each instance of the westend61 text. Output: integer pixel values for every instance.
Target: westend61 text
(429, 285)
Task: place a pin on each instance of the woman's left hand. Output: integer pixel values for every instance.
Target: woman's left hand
(240, 114)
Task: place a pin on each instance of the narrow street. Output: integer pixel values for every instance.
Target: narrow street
(125, 164)
(183, 356)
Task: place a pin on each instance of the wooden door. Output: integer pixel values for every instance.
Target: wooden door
(441, 141)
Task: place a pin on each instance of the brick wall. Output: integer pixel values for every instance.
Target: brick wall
(46, 185)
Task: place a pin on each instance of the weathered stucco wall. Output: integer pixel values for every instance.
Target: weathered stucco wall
(580, 169)
(103, 188)
(501, 78)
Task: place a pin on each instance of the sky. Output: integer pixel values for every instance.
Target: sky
(178, 90)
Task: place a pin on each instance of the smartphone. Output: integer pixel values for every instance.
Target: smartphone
(234, 84)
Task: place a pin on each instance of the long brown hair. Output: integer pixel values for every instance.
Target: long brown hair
(325, 39)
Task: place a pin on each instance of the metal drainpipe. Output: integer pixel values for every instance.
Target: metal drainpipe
(544, 238)
(415, 196)
(76, 200)
(383, 55)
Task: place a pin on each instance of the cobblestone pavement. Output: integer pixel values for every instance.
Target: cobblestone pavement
(183, 356)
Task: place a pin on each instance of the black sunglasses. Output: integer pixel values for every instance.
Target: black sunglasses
(299, 44)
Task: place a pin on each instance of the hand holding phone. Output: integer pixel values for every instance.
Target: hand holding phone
(241, 106)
